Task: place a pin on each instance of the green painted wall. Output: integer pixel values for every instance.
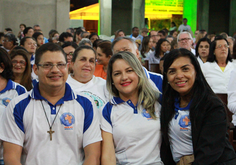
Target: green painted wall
(190, 12)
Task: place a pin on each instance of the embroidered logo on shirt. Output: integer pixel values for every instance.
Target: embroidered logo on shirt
(6, 101)
(184, 122)
(146, 114)
(67, 119)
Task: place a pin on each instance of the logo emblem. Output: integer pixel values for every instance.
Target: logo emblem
(184, 121)
(6, 101)
(146, 114)
(67, 119)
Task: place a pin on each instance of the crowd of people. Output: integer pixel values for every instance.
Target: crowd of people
(77, 99)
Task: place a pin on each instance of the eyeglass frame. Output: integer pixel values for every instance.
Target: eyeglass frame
(15, 62)
(63, 65)
(184, 39)
(221, 46)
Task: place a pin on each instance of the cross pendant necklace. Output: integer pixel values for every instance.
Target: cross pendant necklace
(50, 126)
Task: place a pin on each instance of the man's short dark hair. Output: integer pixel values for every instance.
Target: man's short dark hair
(134, 28)
(22, 41)
(48, 47)
(64, 35)
(185, 19)
(8, 29)
(66, 44)
(26, 30)
(162, 32)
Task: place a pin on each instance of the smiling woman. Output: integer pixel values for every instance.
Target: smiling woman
(132, 115)
(193, 119)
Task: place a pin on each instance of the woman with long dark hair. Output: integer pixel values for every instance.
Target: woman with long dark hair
(202, 50)
(193, 118)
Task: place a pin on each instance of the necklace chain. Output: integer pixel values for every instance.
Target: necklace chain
(50, 126)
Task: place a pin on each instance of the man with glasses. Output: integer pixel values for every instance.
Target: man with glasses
(185, 40)
(51, 124)
(9, 41)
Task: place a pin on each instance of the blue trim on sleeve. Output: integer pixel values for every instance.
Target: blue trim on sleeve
(106, 112)
(18, 112)
(88, 111)
(9, 86)
(157, 79)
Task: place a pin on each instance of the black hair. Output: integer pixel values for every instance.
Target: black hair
(212, 57)
(173, 23)
(199, 42)
(22, 25)
(93, 34)
(134, 28)
(200, 91)
(36, 35)
(8, 29)
(96, 42)
(26, 30)
(172, 32)
(158, 47)
(6, 64)
(47, 47)
(64, 35)
(76, 52)
(162, 32)
(66, 44)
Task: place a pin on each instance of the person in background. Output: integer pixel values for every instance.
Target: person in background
(155, 37)
(53, 36)
(147, 48)
(8, 30)
(202, 50)
(185, 40)
(184, 26)
(39, 39)
(219, 65)
(65, 37)
(95, 44)
(28, 32)
(9, 42)
(161, 49)
(85, 34)
(135, 34)
(71, 31)
(86, 41)
(1, 39)
(144, 32)
(77, 36)
(162, 34)
(104, 54)
(231, 41)
(174, 44)
(21, 34)
(170, 38)
(173, 26)
(69, 48)
(82, 80)
(193, 118)
(130, 120)
(93, 37)
(21, 68)
(174, 33)
(8, 89)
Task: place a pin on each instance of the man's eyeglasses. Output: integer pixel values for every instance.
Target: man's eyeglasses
(14, 62)
(184, 39)
(49, 66)
(221, 46)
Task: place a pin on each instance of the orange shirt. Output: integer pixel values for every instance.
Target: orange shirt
(99, 72)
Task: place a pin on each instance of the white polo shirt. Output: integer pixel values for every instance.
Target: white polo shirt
(95, 88)
(11, 91)
(77, 125)
(137, 137)
(180, 135)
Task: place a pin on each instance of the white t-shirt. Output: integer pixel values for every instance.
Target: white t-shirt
(180, 136)
(95, 88)
(24, 123)
(137, 137)
(184, 28)
(11, 91)
(231, 91)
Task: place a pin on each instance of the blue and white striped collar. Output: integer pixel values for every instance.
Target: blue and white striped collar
(69, 94)
(10, 85)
